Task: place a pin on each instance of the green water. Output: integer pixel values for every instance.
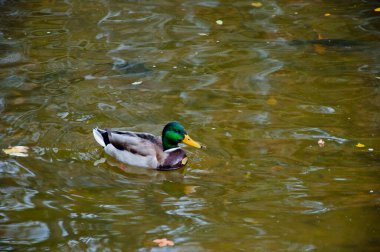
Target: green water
(259, 91)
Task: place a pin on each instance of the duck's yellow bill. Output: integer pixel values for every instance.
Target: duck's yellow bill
(187, 140)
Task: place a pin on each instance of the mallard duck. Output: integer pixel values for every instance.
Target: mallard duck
(147, 150)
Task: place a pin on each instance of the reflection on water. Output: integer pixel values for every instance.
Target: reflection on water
(259, 91)
(24, 233)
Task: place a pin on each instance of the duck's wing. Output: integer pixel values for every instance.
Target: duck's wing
(143, 144)
(139, 143)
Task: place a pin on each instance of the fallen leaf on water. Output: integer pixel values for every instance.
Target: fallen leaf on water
(320, 36)
(377, 9)
(377, 77)
(163, 242)
(272, 101)
(219, 22)
(319, 49)
(189, 189)
(277, 168)
(327, 14)
(248, 175)
(100, 161)
(321, 143)
(19, 100)
(137, 83)
(360, 145)
(19, 151)
(256, 4)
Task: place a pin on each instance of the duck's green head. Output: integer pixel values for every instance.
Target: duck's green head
(173, 134)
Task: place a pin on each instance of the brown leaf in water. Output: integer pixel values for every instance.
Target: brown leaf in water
(189, 189)
(319, 49)
(163, 242)
(277, 168)
(19, 151)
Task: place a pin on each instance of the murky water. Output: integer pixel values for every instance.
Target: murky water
(259, 89)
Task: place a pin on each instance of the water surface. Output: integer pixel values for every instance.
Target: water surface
(259, 90)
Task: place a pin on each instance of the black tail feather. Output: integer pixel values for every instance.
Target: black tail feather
(105, 137)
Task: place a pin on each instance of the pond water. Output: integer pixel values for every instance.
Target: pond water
(259, 85)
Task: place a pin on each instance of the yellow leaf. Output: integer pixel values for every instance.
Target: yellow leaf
(327, 14)
(377, 9)
(19, 151)
(360, 145)
(189, 189)
(272, 101)
(248, 175)
(256, 4)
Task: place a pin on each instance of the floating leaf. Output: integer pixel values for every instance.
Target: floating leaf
(377, 9)
(219, 22)
(327, 14)
(256, 4)
(319, 49)
(137, 83)
(277, 168)
(164, 242)
(248, 175)
(272, 101)
(100, 161)
(189, 189)
(18, 151)
(321, 143)
(360, 145)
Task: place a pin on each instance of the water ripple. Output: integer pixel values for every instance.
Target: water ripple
(318, 109)
(313, 133)
(13, 169)
(29, 232)
(16, 198)
(243, 87)
(184, 207)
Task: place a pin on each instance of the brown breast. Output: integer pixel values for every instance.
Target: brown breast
(175, 160)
